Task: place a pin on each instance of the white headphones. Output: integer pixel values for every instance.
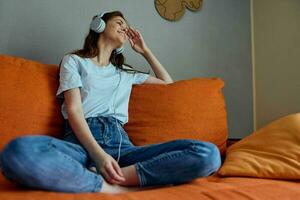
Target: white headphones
(98, 25)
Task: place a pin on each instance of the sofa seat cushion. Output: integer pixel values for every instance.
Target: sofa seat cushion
(212, 187)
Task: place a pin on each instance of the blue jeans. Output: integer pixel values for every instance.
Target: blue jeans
(45, 162)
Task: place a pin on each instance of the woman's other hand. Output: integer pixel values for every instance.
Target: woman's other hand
(136, 40)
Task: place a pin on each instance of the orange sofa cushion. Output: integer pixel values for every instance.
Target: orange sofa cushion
(28, 104)
(186, 109)
(192, 109)
(271, 152)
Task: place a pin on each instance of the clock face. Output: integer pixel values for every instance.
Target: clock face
(173, 10)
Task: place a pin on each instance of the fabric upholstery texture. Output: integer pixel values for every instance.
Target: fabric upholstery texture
(185, 109)
(192, 109)
(270, 152)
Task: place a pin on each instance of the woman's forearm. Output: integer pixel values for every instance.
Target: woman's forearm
(83, 133)
(157, 67)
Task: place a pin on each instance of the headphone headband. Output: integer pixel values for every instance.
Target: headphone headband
(101, 14)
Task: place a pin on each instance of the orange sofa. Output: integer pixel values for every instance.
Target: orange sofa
(184, 109)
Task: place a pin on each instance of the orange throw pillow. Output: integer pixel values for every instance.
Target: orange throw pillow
(28, 104)
(186, 109)
(271, 152)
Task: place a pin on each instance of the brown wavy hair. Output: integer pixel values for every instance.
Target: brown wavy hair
(90, 48)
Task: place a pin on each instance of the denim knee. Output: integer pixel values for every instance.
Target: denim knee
(209, 158)
(15, 151)
(23, 144)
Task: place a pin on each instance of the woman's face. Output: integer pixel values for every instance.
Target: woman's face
(116, 30)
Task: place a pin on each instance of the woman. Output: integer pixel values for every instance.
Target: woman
(96, 154)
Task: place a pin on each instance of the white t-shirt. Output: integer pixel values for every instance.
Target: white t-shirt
(97, 86)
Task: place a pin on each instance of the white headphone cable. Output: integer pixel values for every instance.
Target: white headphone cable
(119, 150)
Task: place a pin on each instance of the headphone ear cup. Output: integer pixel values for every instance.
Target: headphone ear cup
(98, 24)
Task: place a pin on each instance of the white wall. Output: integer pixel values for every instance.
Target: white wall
(213, 42)
(277, 59)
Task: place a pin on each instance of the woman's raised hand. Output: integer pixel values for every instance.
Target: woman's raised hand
(109, 168)
(136, 40)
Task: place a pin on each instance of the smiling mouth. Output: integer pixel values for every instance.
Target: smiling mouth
(122, 33)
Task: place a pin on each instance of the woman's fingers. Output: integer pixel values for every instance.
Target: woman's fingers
(112, 173)
(118, 169)
(128, 32)
(135, 31)
(107, 177)
(131, 32)
(131, 42)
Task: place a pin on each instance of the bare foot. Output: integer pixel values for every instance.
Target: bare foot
(114, 188)
(129, 186)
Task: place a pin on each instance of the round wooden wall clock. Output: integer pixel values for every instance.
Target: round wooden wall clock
(173, 10)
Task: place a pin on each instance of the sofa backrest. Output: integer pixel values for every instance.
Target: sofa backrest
(185, 109)
(192, 108)
(28, 104)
